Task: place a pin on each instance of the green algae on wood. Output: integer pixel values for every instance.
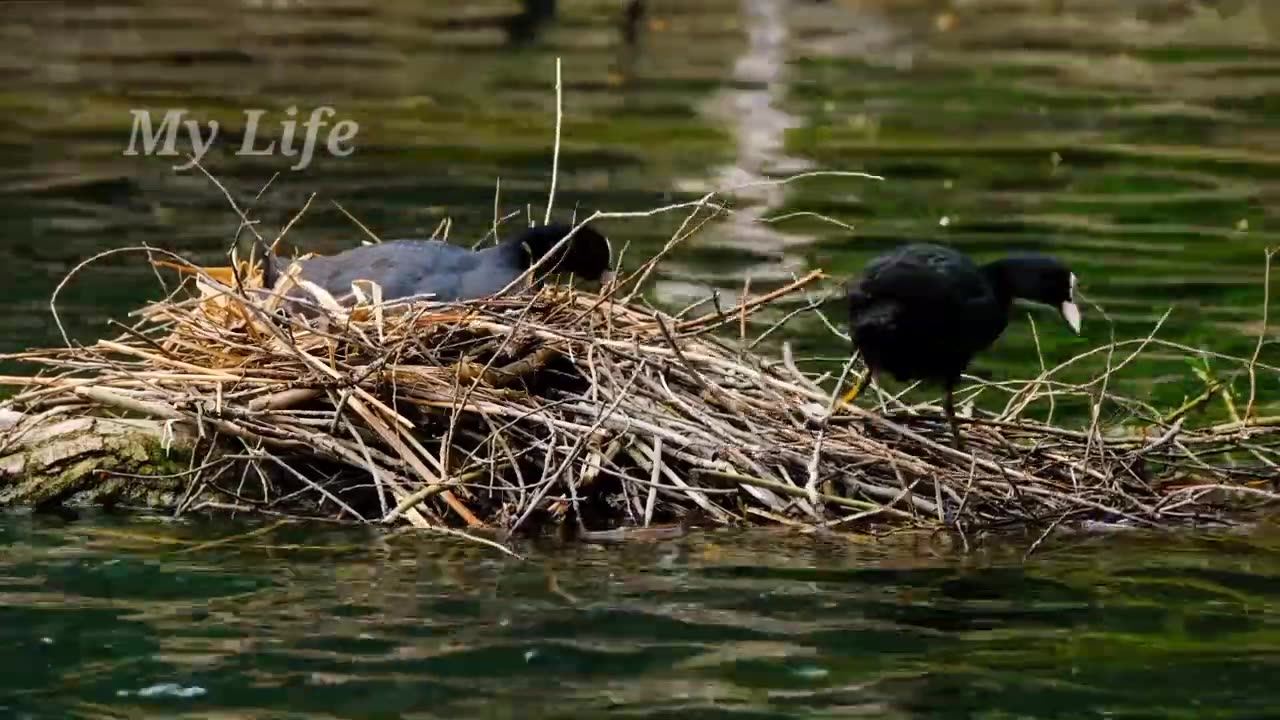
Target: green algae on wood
(94, 460)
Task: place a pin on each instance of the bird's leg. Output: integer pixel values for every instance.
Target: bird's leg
(852, 395)
(949, 409)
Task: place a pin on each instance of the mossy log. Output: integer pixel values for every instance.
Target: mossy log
(58, 461)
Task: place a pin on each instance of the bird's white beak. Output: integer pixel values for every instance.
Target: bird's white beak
(1071, 313)
(607, 277)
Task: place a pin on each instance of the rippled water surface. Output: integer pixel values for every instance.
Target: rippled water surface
(107, 618)
(1138, 139)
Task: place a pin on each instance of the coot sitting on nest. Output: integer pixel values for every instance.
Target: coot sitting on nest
(406, 268)
(921, 312)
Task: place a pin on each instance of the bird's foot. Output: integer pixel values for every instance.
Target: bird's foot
(957, 440)
(863, 382)
(949, 411)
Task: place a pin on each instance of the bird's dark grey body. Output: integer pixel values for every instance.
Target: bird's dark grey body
(437, 270)
(408, 267)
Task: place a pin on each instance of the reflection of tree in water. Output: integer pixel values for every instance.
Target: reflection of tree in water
(524, 26)
(631, 21)
(521, 28)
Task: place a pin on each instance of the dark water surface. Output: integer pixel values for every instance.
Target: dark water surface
(115, 619)
(1139, 139)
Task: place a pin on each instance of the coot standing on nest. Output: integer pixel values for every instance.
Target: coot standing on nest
(405, 268)
(922, 311)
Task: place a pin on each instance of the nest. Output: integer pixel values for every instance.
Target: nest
(564, 408)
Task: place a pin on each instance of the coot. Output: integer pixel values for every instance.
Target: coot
(406, 268)
(922, 311)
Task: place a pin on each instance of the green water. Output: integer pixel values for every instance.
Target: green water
(1137, 139)
(115, 619)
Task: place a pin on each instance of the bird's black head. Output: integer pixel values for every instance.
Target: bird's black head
(1038, 278)
(587, 254)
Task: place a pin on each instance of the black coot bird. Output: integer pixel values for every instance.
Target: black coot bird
(406, 268)
(922, 311)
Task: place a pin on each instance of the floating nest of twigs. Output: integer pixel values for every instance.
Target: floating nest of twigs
(573, 409)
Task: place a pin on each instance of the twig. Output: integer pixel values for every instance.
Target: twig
(555, 155)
